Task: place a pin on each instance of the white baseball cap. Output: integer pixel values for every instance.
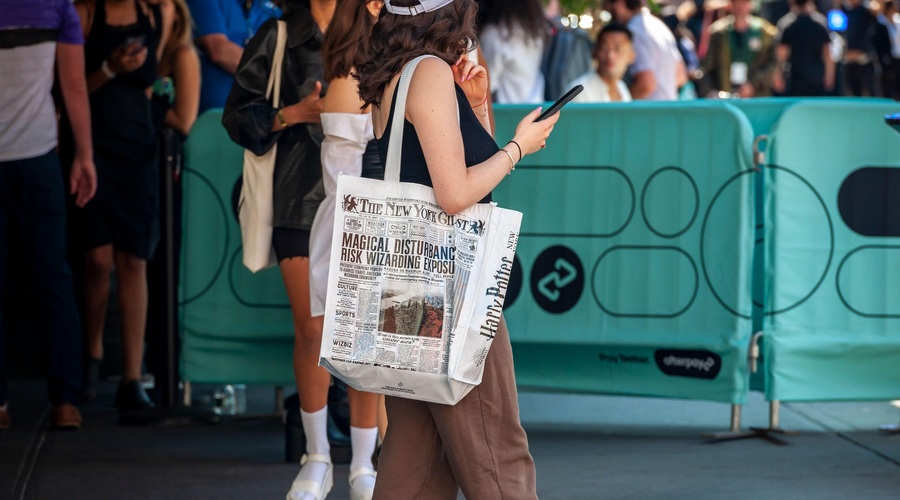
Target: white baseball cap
(424, 6)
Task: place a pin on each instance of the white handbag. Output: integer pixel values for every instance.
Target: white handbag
(256, 208)
(414, 293)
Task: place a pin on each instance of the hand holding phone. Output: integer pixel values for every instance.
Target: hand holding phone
(128, 56)
(133, 44)
(556, 106)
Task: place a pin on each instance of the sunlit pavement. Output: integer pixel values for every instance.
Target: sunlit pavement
(585, 447)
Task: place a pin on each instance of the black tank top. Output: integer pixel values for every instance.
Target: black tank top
(477, 142)
(121, 116)
(103, 39)
(371, 162)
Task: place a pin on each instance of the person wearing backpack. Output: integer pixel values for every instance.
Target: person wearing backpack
(568, 54)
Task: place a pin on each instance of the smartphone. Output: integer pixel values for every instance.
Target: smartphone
(574, 91)
(134, 43)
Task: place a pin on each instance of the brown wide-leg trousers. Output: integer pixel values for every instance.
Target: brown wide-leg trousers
(432, 450)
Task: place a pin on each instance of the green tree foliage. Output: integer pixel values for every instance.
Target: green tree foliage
(578, 7)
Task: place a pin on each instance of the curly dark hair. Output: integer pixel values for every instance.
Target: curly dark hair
(447, 33)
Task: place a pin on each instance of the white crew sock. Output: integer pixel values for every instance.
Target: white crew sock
(363, 442)
(315, 427)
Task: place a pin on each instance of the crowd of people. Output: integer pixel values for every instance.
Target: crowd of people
(707, 49)
(125, 80)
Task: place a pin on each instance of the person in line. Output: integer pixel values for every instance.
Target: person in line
(431, 450)
(222, 30)
(512, 35)
(676, 18)
(37, 35)
(888, 49)
(348, 148)
(178, 84)
(295, 126)
(859, 58)
(741, 55)
(567, 53)
(176, 98)
(118, 227)
(658, 70)
(613, 53)
(804, 64)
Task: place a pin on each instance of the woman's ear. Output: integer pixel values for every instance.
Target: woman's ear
(374, 7)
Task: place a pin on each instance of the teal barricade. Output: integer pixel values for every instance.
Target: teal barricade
(635, 251)
(763, 114)
(235, 326)
(832, 312)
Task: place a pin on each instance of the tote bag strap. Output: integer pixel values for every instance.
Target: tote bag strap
(395, 144)
(274, 85)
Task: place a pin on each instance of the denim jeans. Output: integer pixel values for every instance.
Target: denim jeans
(33, 215)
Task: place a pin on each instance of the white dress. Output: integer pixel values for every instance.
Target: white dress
(346, 137)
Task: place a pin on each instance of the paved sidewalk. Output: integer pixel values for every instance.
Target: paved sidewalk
(585, 447)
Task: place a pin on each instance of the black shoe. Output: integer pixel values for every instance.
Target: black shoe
(131, 397)
(91, 377)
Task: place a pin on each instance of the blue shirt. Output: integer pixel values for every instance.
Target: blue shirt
(230, 18)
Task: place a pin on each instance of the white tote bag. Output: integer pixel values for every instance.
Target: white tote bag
(256, 208)
(414, 294)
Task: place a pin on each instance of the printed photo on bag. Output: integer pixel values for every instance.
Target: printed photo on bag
(412, 309)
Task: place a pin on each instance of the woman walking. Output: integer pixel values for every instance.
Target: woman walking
(432, 450)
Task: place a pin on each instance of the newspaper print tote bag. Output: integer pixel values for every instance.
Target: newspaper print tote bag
(256, 209)
(414, 293)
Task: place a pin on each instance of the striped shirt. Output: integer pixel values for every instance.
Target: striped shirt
(29, 32)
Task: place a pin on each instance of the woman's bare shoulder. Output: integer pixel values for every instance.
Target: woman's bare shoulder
(343, 96)
(432, 69)
(185, 52)
(432, 78)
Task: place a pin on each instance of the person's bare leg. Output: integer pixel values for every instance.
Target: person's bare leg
(382, 418)
(363, 408)
(132, 273)
(363, 439)
(98, 263)
(312, 380)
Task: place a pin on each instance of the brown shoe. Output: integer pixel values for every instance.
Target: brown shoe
(65, 416)
(4, 419)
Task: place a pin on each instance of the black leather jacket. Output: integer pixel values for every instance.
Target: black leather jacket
(248, 116)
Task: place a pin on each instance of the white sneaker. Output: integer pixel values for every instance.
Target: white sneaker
(363, 493)
(318, 490)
